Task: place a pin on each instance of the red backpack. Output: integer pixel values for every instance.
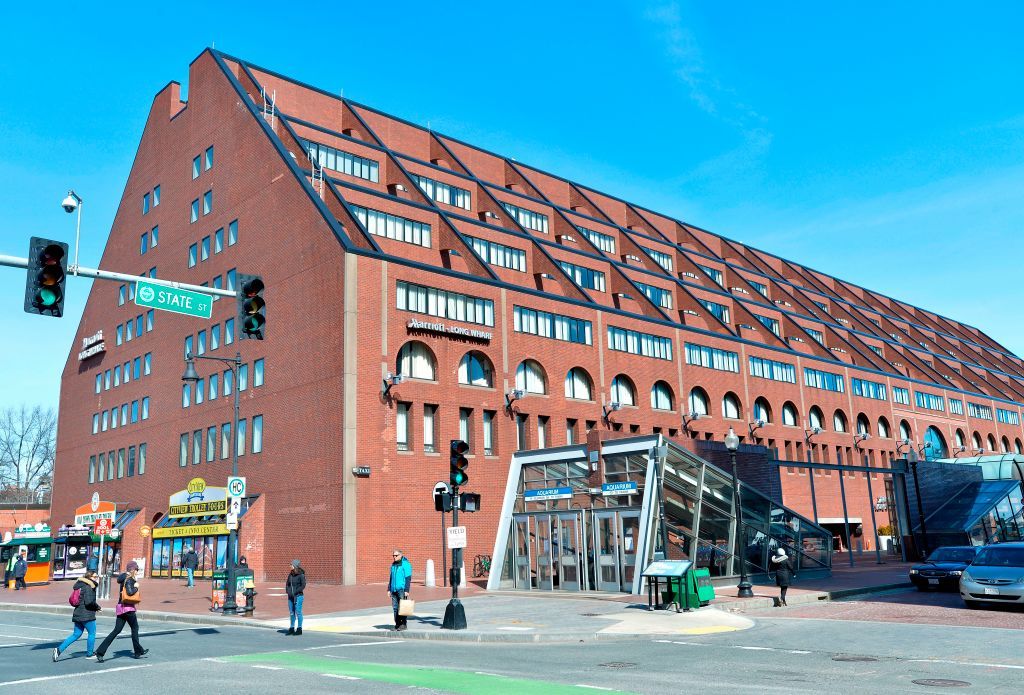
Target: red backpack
(76, 597)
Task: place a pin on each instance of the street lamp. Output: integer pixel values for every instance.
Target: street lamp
(72, 201)
(191, 376)
(732, 443)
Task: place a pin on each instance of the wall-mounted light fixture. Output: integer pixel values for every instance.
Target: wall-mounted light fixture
(689, 418)
(389, 381)
(754, 427)
(513, 396)
(611, 408)
(859, 438)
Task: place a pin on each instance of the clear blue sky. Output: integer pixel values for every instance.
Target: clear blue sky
(881, 144)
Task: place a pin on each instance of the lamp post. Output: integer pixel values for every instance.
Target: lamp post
(190, 376)
(744, 589)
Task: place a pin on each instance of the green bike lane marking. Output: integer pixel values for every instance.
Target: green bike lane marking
(425, 677)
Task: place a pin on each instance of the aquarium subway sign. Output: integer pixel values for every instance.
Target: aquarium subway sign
(440, 327)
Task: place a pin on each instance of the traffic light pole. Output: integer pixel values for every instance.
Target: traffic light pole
(454, 612)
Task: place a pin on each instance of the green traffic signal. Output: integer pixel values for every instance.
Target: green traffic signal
(46, 277)
(458, 463)
(252, 308)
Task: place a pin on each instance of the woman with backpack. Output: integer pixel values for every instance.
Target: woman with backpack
(83, 598)
(128, 597)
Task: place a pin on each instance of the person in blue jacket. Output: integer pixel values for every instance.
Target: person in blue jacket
(399, 585)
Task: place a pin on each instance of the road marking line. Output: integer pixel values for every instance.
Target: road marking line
(356, 644)
(734, 646)
(34, 639)
(709, 630)
(33, 627)
(268, 668)
(341, 676)
(515, 628)
(485, 673)
(72, 675)
(963, 663)
(215, 659)
(592, 687)
(756, 649)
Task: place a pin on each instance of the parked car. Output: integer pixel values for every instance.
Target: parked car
(995, 576)
(943, 567)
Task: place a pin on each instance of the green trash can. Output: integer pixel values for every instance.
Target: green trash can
(218, 589)
(702, 586)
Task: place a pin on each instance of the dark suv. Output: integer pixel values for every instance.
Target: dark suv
(943, 567)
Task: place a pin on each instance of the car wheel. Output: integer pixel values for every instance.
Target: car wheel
(972, 604)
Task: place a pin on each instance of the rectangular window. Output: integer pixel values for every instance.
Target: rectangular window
(542, 431)
(527, 218)
(243, 377)
(821, 305)
(201, 343)
(466, 426)
(147, 363)
(636, 343)
(605, 242)
(341, 161)
(214, 337)
(105, 421)
(444, 304)
(208, 160)
(584, 277)
(229, 382)
(110, 465)
(233, 233)
(145, 407)
(218, 283)
(120, 463)
(402, 426)
(154, 239)
(976, 410)
(868, 389)
(570, 430)
(207, 202)
(152, 272)
(106, 376)
(119, 334)
(900, 395)
(763, 289)
(183, 451)
(92, 469)
(824, 380)
(719, 311)
(197, 447)
(229, 331)
(929, 401)
(142, 458)
(770, 369)
(101, 467)
(99, 382)
(186, 395)
(193, 255)
(135, 412)
(188, 346)
(218, 240)
(214, 387)
(443, 192)
(143, 243)
(713, 273)
(124, 414)
(225, 440)
(521, 422)
(211, 444)
(488, 437)
(131, 461)
(200, 391)
(429, 428)
(817, 335)
(196, 168)
(204, 249)
(128, 332)
(392, 226)
(231, 278)
(145, 204)
(257, 434)
(117, 375)
(769, 323)
(1007, 417)
(156, 197)
(149, 320)
(658, 295)
(712, 358)
(548, 325)
(127, 372)
(193, 214)
(499, 254)
(956, 407)
(662, 259)
(257, 373)
(95, 423)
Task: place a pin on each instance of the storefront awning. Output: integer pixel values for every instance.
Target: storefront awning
(27, 541)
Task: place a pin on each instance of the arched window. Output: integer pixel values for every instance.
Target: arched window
(578, 385)
(415, 360)
(976, 441)
(883, 428)
(815, 418)
(905, 432)
(839, 421)
(698, 401)
(762, 410)
(623, 390)
(863, 425)
(991, 444)
(530, 377)
(960, 442)
(789, 415)
(937, 450)
(731, 406)
(1017, 447)
(661, 396)
(475, 369)
(1005, 444)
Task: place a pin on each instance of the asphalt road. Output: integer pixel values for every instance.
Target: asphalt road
(780, 654)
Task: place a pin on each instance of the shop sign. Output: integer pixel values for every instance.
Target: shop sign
(30, 531)
(87, 514)
(145, 531)
(441, 327)
(629, 488)
(197, 500)
(93, 345)
(188, 531)
(551, 493)
(70, 531)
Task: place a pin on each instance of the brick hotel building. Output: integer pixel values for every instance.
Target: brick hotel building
(387, 249)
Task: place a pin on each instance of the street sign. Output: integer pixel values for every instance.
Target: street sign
(236, 486)
(618, 488)
(103, 526)
(550, 493)
(167, 298)
(456, 537)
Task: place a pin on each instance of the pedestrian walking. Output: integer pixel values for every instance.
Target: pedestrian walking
(189, 563)
(83, 619)
(295, 586)
(784, 573)
(128, 597)
(9, 570)
(20, 568)
(399, 585)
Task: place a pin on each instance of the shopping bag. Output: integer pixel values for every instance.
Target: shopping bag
(127, 600)
(406, 607)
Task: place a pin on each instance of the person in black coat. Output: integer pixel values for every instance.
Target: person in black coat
(295, 586)
(784, 572)
(20, 570)
(84, 617)
(128, 586)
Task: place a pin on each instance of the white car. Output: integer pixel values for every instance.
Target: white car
(995, 576)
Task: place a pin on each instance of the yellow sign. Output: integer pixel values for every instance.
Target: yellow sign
(185, 531)
(198, 500)
(196, 486)
(145, 531)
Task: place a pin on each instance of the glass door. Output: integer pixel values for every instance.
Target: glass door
(542, 555)
(522, 575)
(629, 527)
(606, 546)
(569, 552)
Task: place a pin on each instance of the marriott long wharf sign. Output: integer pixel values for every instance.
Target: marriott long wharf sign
(445, 329)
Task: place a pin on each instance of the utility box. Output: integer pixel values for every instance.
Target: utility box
(703, 588)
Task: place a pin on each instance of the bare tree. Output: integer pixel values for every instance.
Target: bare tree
(28, 442)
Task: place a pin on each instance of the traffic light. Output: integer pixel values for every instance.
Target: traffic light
(469, 501)
(252, 309)
(46, 277)
(459, 463)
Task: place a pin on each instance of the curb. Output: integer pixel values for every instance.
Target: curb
(499, 638)
(189, 618)
(846, 593)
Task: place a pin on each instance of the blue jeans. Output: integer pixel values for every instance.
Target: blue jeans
(191, 576)
(90, 641)
(295, 611)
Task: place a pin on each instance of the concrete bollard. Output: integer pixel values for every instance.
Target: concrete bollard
(428, 577)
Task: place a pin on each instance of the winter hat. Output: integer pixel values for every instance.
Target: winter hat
(780, 552)
(131, 566)
(295, 564)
